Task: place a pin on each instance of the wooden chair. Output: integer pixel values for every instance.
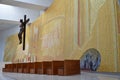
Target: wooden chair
(26, 67)
(20, 67)
(38, 68)
(32, 68)
(6, 69)
(10, 67)
(47, 67)
(71, 67)
(15, 67)
(56, 66)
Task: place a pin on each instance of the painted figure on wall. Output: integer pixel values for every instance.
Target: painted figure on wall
(21, 31)
(90, 60)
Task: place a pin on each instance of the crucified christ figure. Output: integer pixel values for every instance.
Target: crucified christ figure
(21, 31)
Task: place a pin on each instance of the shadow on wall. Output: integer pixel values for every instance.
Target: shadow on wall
(90, 60)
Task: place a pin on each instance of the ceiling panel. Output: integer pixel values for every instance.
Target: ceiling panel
(5, 24)
(9, 17)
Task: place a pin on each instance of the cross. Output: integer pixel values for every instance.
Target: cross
(23, 30)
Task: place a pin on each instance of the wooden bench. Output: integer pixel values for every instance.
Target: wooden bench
(15, 67)
(47, 67)
(32, 68)
(20, 67)
(66, 67)
(26, 67)
(38, 68)
(6, 69)
(71, 67)
(56, 65)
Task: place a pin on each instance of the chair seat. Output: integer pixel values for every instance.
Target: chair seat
(15, 70)
(32, 71)
(25, 70)
(61, 71)
(39, 71)
(19, 70)
(49, 71)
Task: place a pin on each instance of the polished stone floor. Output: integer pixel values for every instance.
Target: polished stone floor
(83, 76)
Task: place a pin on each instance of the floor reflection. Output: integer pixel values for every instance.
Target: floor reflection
(3, 77)
(83, 76)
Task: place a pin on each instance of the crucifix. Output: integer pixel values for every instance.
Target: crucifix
(23, 30)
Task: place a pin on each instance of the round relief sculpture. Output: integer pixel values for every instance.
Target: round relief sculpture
(90, 60)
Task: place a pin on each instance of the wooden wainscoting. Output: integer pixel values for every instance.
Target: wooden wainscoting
(65, 67)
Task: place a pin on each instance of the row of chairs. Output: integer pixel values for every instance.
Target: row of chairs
(66, 67)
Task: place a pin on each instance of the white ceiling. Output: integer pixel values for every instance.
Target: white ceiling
(5, 24)
(16, 9)
(20, 3)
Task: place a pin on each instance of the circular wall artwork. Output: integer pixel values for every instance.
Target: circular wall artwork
(90, 60)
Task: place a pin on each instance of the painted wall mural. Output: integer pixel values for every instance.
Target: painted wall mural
(52, 40)
(88, 12)
(90, 60)
(55, 34)
(95, 6)
(10, 48)
(118, 14)
(34, 38)
(15, 53)
(98, 38)
(46, 41)
(118, 28)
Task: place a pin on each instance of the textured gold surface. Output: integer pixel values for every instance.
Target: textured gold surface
(54, 35)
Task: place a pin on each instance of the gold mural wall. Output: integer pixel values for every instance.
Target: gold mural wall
(14, 51)
(70, 27)
(10, 48)
(118, 31)
(96, 23)
(100, 33)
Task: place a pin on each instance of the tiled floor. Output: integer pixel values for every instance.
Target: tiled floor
(83, 76)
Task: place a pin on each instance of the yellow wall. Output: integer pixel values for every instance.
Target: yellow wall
(54, 35)
(14, 51)
(9, 53)
(118, 31)
(119, 52)
(103, 34)
(97, 30)
(51, 25)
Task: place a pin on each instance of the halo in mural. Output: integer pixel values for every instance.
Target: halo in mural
(90, 60)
